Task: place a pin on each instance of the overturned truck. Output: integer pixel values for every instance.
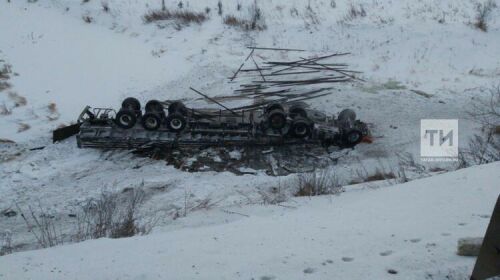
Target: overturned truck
(277, 114)
(171, 124)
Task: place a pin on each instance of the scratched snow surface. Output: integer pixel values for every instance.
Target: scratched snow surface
(421, 59)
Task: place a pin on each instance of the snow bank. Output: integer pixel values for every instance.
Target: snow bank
(410, 229)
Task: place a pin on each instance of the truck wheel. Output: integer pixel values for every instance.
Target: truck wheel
(352, 137)
(301, 128)
(297, 111)
(125, 118)
(153, 106)
(317, 116)
(176, 122)
(347, 114)
(276, 119)
(131, 103)
(177, 107)
(151, 121)
(273, 106)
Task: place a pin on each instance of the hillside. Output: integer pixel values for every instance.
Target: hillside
(419, 59)
(411, 228)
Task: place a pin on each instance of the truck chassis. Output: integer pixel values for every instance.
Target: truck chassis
(103, 128)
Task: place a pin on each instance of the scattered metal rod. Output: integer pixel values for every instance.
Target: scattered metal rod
(253, 70)
(259, 93)
(291, 73)
(215, 101)
(277, 63)
(286, 206)
(241, 66)
(303, 96)
(275, 49)
(257, 66)
(298, 63)
(308, 98)
(278, 78)
(235, 213)
(336, 70)
(237, 71)
(311, 81)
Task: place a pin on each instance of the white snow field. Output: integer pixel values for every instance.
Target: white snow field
(420, 59)
(410, 228)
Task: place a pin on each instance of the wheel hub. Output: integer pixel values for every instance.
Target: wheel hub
(151, 122)
(125, 120)
(300, 130)
(176, 123)
(277, 121)
(353, 137)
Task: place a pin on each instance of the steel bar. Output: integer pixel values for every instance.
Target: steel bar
(241, 66)
(258, 68)
(290, 73)
(339, 71)
(305, 82)
(275, 49)
(297, 63)
(254, 70)
(284, 99)
(215, 101)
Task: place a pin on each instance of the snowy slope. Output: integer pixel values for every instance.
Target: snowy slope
(59, 59)
(411, 228)
(63, 60)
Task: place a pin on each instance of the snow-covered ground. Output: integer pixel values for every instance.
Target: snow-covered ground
(421, 59)
(61, 59)
(409, 229)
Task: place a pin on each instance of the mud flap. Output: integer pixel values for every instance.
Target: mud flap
(488, 261)
(65, 132)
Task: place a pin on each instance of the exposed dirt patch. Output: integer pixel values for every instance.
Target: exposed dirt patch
(275, 161)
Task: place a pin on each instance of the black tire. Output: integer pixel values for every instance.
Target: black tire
(153, 106)
(276, 119)
(131, 103)
(301, 128)
(175, 122)
(352, 137)
(151, 121)
(317, 116)
(177, 107)
(125, 118)
(346, 115)
(272, 107)
(297, 111)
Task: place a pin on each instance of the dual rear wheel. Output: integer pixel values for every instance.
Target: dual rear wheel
(154, 115)
(300, 127)
(128, 114)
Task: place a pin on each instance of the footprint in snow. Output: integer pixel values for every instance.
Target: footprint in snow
(392, 271)
(430, 245)
(415, 240)
(347, 259)
(327, 262)
(309, 270)
(386, 253)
